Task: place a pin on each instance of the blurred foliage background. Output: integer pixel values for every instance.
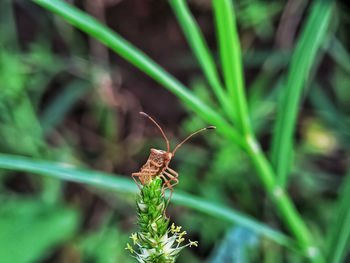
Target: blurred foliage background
(67, 99)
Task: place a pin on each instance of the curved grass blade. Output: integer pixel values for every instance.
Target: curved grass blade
(227, 214)
(201, 50)
(8, 26)
(231, 60)
(118, 183)
(140, 60)
(302, 61)
(233, 74)
(338, 52)
(339, 234)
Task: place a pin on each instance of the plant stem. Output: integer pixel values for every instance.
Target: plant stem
(231, 60)
(302, 61)
(283, 202)
(201, 50)
(233, 73)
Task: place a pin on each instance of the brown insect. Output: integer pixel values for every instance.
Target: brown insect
(158, 163)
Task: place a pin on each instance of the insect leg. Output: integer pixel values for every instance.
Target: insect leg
(169, 185)
(172, 171)
(133, 175)
(173, 176)
(155, 164)
(149, 171)
(145, 175)
(166, 181)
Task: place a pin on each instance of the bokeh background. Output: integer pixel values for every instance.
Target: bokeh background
(66, 98)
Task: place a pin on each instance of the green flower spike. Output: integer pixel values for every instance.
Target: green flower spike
(155, 242)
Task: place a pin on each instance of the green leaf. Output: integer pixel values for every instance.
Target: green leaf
(239, 246)
(339, 232)
(231, 60)
(224, 213)
(7, 25)
(304, 55)
(120, 184)
(339, 53)
(201, 50)
(104, 246)
(29, 229)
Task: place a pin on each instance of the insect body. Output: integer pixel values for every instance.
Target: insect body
(158, 163)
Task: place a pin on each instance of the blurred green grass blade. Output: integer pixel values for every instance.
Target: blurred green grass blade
(120, 184)
(23, 133)
(240, 245)
(231, 60)
(55, 112)
(67, 172)
(224, 213)
(29, 229)
(338, 52)
(18, 115)
(106, 245)
(201, 50)
(140, 60)
(8, 30)
(339, 233)
(305, 52)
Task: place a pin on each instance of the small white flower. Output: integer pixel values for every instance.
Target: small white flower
(142, 207)
(154, 226)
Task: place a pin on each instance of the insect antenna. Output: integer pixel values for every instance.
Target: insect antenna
(189, 136)
(161, 130)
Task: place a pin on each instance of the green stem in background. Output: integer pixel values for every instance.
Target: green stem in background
(283, 202)
(231, 60)
(233, 74)
(120, 184)
(302, 60)
(338, 52)
(201, 50)
(339, 232)
(7, 25)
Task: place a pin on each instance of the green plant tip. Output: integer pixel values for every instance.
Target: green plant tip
(155, 242)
